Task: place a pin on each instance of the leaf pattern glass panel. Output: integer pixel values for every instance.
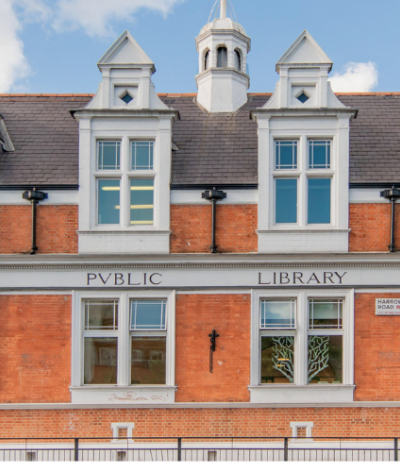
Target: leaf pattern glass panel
(325, 359)
(277, 359)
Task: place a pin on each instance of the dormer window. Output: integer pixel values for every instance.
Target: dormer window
(222, 57)
(303, 97)
(207, 60)
(238, 60)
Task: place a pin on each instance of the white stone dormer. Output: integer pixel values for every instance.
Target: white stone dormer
(126, 78)
(125, 141)
(303, 157)
(223, 46)
(303, 83)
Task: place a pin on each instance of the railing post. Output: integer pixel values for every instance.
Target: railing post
(179, 449)
(396, 450)
(76, 450)
(286, 450)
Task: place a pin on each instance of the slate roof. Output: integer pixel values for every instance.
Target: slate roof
(213, 149)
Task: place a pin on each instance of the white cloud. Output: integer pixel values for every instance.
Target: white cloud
(13, 63)
(95, 16)
(356, 77)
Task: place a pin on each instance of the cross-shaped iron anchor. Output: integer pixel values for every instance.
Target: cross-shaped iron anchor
(213, 336)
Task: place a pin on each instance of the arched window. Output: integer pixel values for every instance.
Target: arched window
(222, 57)
(207, 58)
(238, 60)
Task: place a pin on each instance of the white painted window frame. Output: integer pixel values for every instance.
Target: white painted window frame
(124, 335)
(124, 174)
(302, 174)
(300, 385)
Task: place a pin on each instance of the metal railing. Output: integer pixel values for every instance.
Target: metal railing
(200, 449)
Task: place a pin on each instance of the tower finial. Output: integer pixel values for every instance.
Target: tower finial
(223, 9)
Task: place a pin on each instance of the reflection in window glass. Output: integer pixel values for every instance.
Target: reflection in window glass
(109, 154)
(325, 359)
(277, 314)
(320, 154)
(108, 202)
(142, 201)
(286, 155)
(148, 361)
(325, 313)
(148, 314)
(286, 201)
(277, 359)
(101, 314)
(142, 155)
(319, 201)
(100, 361)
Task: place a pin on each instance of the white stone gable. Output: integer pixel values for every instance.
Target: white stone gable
(126, 78)
(304, 51)
(125, 51)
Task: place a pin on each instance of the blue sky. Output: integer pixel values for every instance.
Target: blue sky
(59, 46)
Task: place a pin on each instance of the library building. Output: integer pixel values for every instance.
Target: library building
(209, 276)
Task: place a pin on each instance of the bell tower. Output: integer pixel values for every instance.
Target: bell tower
(223, 46)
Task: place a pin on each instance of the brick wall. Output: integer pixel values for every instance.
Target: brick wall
(196, 317)
(377, 351)
(56, 229)
(35, 348)
(370, 227)
(235, 229)
(350, 422)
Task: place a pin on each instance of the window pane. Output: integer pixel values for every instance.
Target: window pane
(142, 155)
(109, 153)
(222, 57)
(320, 154)
(286, 200)
(325, 359)
(108, 202)
(319, 201)
(277, 359)
(100, 361)
(101, 314)
(142, 201)
(325, 313)
(286, 154)
(148, 314)
(277, 314)
(148, 361)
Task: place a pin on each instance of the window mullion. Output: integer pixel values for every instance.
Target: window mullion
(124, 343)
(301, 340)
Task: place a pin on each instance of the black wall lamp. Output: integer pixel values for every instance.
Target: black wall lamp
(213, 196)
(392, 195)
(34, 196)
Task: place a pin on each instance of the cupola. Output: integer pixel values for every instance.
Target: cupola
(223, 46)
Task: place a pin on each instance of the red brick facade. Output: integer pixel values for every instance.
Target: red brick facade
(328, 422)
(56, 229)
(190, 225)
(235, 228)
(196, 317)
(376, 351)
(35, 348)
